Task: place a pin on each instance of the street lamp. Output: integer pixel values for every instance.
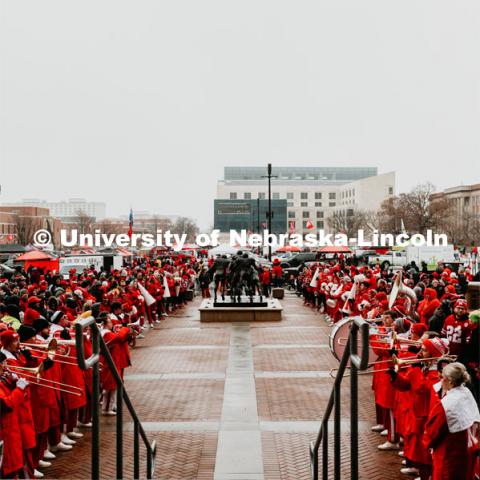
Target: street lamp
(269, 213)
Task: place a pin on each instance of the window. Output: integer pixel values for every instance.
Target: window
(304, 196)
(289, 204)
(318, 195)
(318, 204)
(276, 196)
(304, 204)
(304, 224)
(291, 214)
(233, 195)
(247, 196)
(331, 204)
(289, 195)
(305, 214)
(332, 195)
(390, 190)
(261, 195)
(319, 214)
(320, 224)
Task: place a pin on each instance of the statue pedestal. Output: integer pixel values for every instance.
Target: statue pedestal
(270, 310)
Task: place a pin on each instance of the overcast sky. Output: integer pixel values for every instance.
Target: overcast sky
(143, 103)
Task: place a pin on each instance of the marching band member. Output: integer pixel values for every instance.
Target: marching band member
(452, 427)
(118, 346)
(12, 397)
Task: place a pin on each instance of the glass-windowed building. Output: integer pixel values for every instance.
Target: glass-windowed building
(248, 214)
(312, 194)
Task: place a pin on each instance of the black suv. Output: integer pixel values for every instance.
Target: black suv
(300, 259)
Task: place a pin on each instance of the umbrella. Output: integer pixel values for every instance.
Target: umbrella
(289, 248)
(335, 249)
(33, 256)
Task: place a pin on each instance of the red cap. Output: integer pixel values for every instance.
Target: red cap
(436, 347)
(419, 329)
(33, 300)
(8, 337)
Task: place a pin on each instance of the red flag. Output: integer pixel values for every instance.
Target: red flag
(309, 224)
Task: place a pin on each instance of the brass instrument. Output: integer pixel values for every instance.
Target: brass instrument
(34, 374)
(398, 363)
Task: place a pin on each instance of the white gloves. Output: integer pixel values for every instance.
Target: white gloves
(22, 383)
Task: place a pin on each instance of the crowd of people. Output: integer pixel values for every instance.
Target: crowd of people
(426, 373)
(45, 398)
(423, 337)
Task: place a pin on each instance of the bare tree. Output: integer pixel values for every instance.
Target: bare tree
(185, 225)
(416, 209)
(25, 227)
(353, 221)
(84, 222)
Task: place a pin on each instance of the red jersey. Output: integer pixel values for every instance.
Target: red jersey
(458, 333)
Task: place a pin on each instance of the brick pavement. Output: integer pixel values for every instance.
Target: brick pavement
(171, 383)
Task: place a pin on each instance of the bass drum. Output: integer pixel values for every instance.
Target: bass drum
(338, 340)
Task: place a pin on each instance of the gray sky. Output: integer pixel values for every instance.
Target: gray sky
(143, 103)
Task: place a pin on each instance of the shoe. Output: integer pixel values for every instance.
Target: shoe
(404, 463)
(48, 455)
(44, 464)
(67, 441)
(61, 447)
(109, 413)
(140, 335)
(388, 446)
(384, 433)
(84, 425)
(37, 474)
(409, 471)
(74, 434)
(378, 428)
(400, 453)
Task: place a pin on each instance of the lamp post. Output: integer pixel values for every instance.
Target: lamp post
(269, 213)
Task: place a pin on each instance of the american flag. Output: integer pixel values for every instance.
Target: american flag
(130, 223)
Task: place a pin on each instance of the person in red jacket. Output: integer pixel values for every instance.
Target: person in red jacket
(265, 281)
(32, 310)
(419, 380)
(277, 273)
(428, 305)
(12, 396)
(117, 343)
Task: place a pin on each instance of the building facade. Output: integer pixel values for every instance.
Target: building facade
(250, 215)
(465, 201)
(68, 210)
(311, 193)
(18, 223)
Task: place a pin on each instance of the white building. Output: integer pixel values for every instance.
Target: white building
(69, 209)
(312, 193)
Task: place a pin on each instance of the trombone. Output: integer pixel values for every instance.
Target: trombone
(34, 374)
(398, 363)
(51, 350)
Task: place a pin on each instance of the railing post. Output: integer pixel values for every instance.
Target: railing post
(119, 436)
(353, 405)
(149, 464)
(325, 451)
(136, 452)
(336, 431)
(95, 407)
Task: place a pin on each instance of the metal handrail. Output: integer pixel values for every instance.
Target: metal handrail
(356, 363)
(99, 346)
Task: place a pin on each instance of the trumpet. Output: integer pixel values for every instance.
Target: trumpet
(34, 374)
(398, 363)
